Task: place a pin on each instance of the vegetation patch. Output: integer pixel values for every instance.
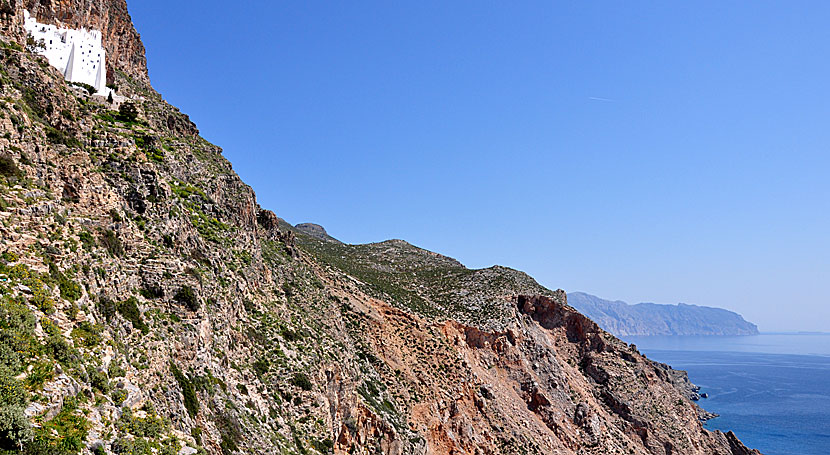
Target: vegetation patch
(66, 433)
(87, 335)
(187, 296)
(112, 243)
(301, 380)
(18, 343)
(69, 289)
(191, 401)
(8, 168)
(129, 310)
(15, 428)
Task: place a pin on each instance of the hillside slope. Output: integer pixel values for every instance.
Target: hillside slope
(149, 305)
(622, 319)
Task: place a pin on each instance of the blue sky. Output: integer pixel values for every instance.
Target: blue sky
(643, 151)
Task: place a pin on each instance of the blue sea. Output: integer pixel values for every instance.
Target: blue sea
(772, 390)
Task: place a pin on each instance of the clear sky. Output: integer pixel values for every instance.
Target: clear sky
(643, 151)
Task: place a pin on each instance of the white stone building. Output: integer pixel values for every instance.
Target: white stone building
(78, 54)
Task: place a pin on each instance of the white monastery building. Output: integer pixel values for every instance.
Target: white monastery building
(78, 54)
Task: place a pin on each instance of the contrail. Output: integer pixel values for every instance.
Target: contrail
(596, 98)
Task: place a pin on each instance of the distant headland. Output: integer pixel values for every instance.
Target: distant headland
(647, 319)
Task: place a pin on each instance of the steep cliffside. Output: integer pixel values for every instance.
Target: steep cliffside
(149, 305)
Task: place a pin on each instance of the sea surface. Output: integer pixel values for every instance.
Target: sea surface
(772, 390)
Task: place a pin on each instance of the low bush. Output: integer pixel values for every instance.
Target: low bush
(60, 350)
(65, 433)
(107, 307)
(41, 373)
(69, 289)
(98, 380)
(8, 168)
(129, 310)
(191, 400)
(15, 428)
(17, 336)
(187, 297)
(87, 240)
(301, 380)
(112, 243)
(151, 291)
(87, 335)
(127, 112)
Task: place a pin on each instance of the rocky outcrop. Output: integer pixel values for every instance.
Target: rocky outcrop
(646, 319)
(316, 231)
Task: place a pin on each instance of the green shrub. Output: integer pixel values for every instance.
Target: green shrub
(187, 297)
(115, 370)
(152, 426)
(41, 373)
(129, 310)
(191, 400)
(98, 380)
(118, 396)
(60, 350)
(127, 112)
(157, 155)
(230, 433)
(112, 243)
(69, 289)
(87, 335)
(90, 89)
(42, 300)
(151, 292)
(137, 446)
(66, 432)
(323, 446)
(8, 168)
(196, 432)
(17, 335)
(107, 307)
(14, 426)
(57, 136)
(87, 240)
(261, 366)
(301, 380)
(9, 256)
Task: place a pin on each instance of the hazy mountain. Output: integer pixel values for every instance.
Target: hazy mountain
(623, 319)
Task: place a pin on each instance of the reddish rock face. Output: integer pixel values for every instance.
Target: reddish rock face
(122, 42)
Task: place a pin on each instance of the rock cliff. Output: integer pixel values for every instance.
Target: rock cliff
(150, 305)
